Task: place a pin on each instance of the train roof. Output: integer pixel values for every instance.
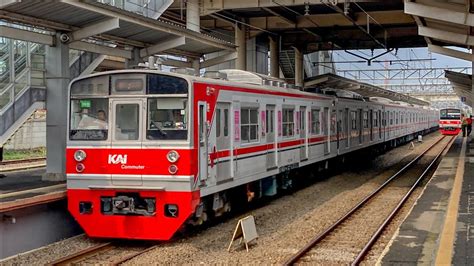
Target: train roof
(232, 77)
(225, 82)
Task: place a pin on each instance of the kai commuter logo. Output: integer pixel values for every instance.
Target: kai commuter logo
(117, 159)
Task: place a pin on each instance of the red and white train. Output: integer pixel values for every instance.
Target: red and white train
(450, 121)
(150, 151)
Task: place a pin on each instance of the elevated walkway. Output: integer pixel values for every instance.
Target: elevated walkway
(22, 81)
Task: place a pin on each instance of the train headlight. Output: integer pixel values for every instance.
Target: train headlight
(79, 155)
(172, 156)
(173, 169)
(80, 167)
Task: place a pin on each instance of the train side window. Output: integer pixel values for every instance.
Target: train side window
(226, 122)
(127, 122)
(270, 118)
(353, 120)
(315, 122)
(249, 124)
(288, 122)
(218, 123)
(366, 119)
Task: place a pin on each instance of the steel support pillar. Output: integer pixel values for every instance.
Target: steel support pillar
(57, 80)
(472, 85)
(299, 75)
(193, 20)
(274, 57)
(135, 60)
(240, 42)
(196, 66)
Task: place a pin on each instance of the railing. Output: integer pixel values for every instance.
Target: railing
(22, 65)
(147, 8)
(80, 62)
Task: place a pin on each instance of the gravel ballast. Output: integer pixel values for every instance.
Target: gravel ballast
(284, 224)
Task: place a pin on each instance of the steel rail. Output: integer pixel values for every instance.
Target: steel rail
(294, 258)
(131, 256)
(31, 160)
(379, 231)
(78, 256)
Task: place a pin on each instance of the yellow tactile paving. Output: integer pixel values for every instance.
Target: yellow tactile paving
(446, 244)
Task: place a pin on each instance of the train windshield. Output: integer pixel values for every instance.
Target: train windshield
(166, 114)
(450, 114)
(89, 119)
(167, 118)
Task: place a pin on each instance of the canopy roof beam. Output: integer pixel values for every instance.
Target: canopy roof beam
(218, 60)
(447, 36)
(101, 49)
(442, 14)
(95, 29)
(25, 35)
(450, 52)
(162, 46)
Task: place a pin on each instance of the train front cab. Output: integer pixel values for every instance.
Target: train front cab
(450, 121)
(130, 164)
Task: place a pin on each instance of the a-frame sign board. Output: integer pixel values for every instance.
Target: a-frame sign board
(245, 230)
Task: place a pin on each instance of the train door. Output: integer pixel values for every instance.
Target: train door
(346, 127)
(223, 165)
(203, 141)
(126, 134)
(271, 137)
(326, 130)
(303, 134)
(371, 124)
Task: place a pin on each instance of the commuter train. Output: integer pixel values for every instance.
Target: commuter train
(149, 152)
(450, 121)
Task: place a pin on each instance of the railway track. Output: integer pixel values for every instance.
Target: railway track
(352, 236)
(106, 253)
(21, 161)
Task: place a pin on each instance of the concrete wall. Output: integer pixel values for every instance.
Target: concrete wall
(31, 135)
(257, 54)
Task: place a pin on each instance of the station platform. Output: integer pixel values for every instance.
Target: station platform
(440, 227)
(24, 188)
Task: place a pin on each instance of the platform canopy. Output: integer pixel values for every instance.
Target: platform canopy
(102, 28)
(332, 81)
(462, 84)
(444, 24)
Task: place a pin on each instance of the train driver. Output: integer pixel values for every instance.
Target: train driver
(89, 122)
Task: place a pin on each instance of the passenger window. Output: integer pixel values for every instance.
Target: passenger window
(353, 120)
(126, 122)
(218, 123)
(249, 124)
(315, 122)
(226, 122)
(288, 122)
